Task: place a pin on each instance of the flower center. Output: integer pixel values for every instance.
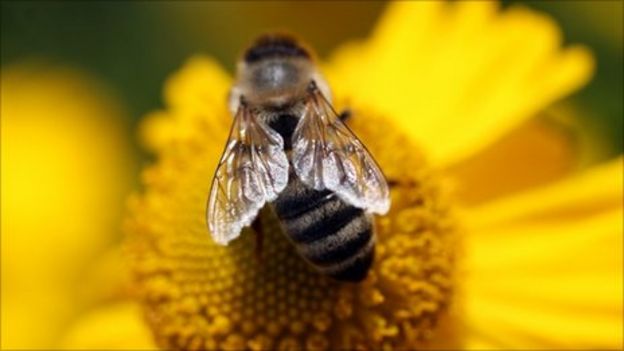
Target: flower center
(198, 295)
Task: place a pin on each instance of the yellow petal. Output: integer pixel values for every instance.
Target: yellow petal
(547, 248)
(504, 324)
(201, 83)
(595, 190)
(457, 76)
(196, 101)
(536, 153)
(65, 170)
(118, 326)
(546, 271)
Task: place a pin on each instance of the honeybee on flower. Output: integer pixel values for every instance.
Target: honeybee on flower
(288, 147)
(491, 241)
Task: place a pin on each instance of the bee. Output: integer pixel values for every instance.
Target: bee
(289, 148)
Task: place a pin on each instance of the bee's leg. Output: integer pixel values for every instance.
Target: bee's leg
(257, 227)
(345, 115)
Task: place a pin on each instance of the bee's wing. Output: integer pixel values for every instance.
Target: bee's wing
(252, 171)
(327, 155)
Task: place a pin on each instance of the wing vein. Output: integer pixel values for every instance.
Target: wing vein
(327, 155)
(252, 170)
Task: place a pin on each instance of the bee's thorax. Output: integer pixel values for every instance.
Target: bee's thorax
(274, 82)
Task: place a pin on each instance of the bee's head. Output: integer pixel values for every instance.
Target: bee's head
(275, 70)
(276, 45)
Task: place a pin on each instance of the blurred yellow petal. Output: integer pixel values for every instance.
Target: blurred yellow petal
(544, 246)
(117, 326)
(109, 278)
(189, 91)
(597, 189)
(546, 267)
(459, 70)
(535, 153)
(555, 285)
(195, 100)
(65, 168)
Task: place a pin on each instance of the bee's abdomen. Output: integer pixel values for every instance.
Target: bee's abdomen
(336, 238)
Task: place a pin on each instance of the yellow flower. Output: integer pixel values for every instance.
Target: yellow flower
(442, 94)
(65, 170)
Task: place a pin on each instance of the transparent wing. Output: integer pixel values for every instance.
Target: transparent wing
(252, 171)
(327, 155)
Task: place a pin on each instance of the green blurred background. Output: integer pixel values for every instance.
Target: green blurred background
(133, 46)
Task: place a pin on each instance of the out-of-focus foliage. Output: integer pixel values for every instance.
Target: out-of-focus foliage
(134, 45)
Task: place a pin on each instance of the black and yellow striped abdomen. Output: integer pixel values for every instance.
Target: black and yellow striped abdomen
(335, 237)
